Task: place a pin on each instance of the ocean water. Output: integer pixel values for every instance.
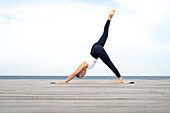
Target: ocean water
(85, 77)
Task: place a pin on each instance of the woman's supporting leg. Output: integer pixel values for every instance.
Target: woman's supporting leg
(105, 58)
(103, 38)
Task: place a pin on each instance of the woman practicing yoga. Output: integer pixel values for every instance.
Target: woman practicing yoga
(97, 51)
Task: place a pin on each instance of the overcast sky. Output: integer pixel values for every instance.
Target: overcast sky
(55, 36)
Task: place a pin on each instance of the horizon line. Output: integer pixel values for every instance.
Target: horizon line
(86, 75)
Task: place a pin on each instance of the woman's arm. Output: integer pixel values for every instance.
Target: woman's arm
(83, 65)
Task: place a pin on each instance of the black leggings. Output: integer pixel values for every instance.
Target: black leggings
(98, 50)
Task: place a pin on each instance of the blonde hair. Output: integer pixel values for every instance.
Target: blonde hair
(79, 75)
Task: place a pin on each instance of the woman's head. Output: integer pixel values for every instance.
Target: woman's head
(81, 73)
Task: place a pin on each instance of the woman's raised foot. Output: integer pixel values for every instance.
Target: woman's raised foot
(111, 14)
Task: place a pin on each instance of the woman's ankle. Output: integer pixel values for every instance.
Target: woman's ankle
(120, 78)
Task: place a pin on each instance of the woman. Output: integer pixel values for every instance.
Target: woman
(97, 51)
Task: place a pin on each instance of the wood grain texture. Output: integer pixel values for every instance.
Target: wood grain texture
(84, 96)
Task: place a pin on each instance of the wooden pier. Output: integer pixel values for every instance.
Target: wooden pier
(84, 96)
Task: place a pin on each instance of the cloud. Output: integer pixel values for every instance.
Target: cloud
(51, 36)
(37, 35)
(142, 23)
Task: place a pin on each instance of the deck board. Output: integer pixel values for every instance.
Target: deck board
(84, 96)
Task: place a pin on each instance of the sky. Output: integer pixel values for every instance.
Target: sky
(53, 37)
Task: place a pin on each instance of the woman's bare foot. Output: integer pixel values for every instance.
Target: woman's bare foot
(120, 80)
(111, 14)
(62, 82)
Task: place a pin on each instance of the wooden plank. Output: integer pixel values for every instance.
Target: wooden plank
(84, 96)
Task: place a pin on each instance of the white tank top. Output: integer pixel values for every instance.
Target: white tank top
(91, 61)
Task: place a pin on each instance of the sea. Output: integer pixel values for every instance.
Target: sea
(85, 77)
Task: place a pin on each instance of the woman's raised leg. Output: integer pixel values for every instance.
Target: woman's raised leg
(103, 38)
